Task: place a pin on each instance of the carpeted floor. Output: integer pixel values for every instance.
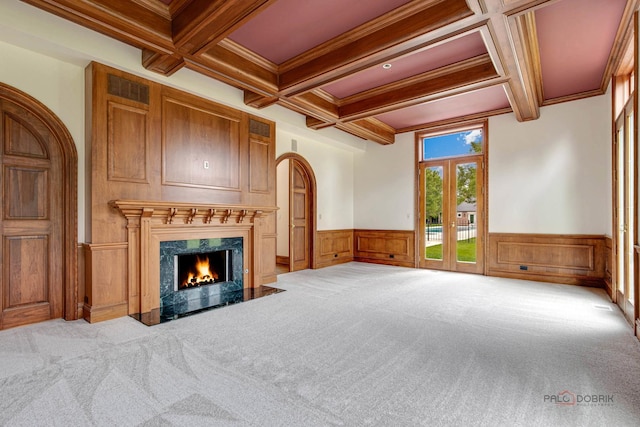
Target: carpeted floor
(351, 345)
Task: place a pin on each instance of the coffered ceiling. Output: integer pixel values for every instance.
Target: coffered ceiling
(374, 68)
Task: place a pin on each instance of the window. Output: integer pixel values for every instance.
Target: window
(461, 143)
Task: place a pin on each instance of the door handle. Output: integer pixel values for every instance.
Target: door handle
(453, 224)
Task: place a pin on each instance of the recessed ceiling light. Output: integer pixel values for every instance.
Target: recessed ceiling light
(386, 66)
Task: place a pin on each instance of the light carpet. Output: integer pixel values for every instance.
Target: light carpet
(351, 345)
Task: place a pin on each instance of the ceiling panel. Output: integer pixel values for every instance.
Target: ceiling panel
(417, 62)
(291, 27)
(478, 101)
(450, 59)
(575, 39)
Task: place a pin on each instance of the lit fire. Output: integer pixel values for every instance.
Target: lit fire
(202, 275)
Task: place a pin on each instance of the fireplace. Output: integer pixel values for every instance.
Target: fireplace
(158, 231)
(199, 274)
(201, 269)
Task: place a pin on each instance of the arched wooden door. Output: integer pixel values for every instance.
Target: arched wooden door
(37, 281)
(299, 201)
(300, 207)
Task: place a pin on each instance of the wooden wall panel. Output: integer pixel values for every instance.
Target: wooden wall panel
(149, 142)
(571, 259)
(262, 163)
(127, 143)
(266, 237)
(106, 281)
(390, 247)
(201, 145)
(333, 247)
(122, 147)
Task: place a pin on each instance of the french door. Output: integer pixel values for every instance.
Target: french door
(452, 214)
(624, 181)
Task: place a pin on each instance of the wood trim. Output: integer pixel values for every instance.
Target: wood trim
(390, 247)
(313, 199)
(150, 223)
(609, 266)
(569, 259)
(334, 247)
(63, 139)
(282, 260)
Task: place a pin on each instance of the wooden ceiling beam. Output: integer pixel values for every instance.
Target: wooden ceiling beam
(315, 67)
(161, 63)
(370, 129)
(123, 20)
(258, 101)
(227, 65)
(466, 75)
(203, 23)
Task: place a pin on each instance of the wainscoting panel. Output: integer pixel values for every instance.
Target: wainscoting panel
(106, 281)
(333, 247)
(392, 247)
(570, 259)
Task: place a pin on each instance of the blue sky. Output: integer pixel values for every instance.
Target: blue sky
(453, 144)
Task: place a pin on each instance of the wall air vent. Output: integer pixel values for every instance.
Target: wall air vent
(127, 89)
(259, 128)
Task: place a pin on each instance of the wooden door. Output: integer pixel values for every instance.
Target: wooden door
(452, 211)
(32, 219)
(624, 212)
(299, 198)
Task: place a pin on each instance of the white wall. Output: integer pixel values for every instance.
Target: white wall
(45, 56)
(58, 85)
(552, 175)
(333, 168)
(384, 185)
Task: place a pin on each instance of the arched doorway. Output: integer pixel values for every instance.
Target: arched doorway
(296, 218)
(38, 213)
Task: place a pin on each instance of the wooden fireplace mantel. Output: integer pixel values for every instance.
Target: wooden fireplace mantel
(151, 222)
(190, 213)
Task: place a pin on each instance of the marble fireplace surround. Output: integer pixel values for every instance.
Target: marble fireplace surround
(152, 222)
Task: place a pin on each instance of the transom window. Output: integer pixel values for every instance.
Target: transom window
(460, 143)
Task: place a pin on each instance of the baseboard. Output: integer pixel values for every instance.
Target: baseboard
(336, 261)
(282, 260)
(385, 262)
(550, 278)
(94, 314)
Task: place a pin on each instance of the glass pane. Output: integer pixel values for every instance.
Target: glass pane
(620, 207)
(453, 144)
(466, 212)
(433, 212)
(629, 195)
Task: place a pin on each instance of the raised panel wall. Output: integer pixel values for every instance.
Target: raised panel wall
(128, 143)
(571, 259)
(149, 142)
(390, 247)
(333, 247)
(200, 145)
